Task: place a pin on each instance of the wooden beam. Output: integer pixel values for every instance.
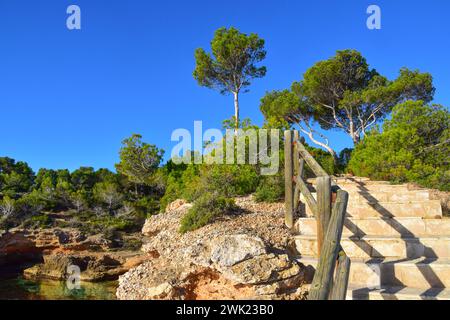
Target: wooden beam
(323, 277)
(312, 163)
(296, 155)
(323, 188)
(301, 167)
(288, 179)
(339, 290)
(303, 188)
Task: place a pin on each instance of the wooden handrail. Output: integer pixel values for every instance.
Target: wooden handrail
(323, 278)
(312, 163)
(339, 290)
(330, 219)
(301, 187)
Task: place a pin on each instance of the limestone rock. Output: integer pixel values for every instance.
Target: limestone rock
(263, 269)
(175, 205)
(160, 292)
(231, 249)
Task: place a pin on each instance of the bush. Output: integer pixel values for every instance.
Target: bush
(41, 221)
(270, 189)
(413, 147)
(132, 244)
(144, 206)
(205, 210)
(229, 180)
(116, 224)
(181, 183)
(344, 158)
(325, 160)
(196, 180)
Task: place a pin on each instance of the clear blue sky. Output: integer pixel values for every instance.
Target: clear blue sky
(68, 98)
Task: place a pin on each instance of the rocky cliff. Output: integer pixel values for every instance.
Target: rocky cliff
(244, 256)
(48, 253)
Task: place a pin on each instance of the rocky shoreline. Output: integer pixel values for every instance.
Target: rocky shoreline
(242, 256)
(237, 257)
(47, 254)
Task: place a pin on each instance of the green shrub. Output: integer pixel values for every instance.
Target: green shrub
(270, 189)
(413, 147)
(145, 206)
(182, 183)
(229, 180)
(41, 221)
(205, 209)
(324, 159)
(117, 224)
(344, 158)
(196, 180)
(132, 244)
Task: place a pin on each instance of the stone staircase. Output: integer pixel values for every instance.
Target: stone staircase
(396, 237)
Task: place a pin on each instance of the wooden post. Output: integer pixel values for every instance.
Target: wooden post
(296, 163)
(301, 168)
(323, 189)
(298, 189)
(296, 155)
(323, 278)
(339, 290)
(288, 179)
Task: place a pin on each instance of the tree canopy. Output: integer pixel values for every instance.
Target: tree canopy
(343, 93)
(138, 160)
(232, 64)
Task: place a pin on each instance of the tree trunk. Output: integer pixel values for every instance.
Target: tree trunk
(323, 145)
(333, 153)
(356, 139)
(236, 111)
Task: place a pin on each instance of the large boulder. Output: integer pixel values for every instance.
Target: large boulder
(231, 249)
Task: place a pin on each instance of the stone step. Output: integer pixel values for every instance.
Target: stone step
(415, 273)
(353, 180)
(385, 196)
(423, 209)
(381, 247)
(389, 227)
(397, 293)
(375, 186)
(369, 185)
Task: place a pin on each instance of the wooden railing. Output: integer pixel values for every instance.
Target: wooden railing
(332, 272)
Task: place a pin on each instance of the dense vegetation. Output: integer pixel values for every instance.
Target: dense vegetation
(414, 146)
(95, 201)
(341, 93)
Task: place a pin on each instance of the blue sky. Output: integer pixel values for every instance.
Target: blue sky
(68, 98)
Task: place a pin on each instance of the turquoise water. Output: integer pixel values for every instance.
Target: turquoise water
(23, 289)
